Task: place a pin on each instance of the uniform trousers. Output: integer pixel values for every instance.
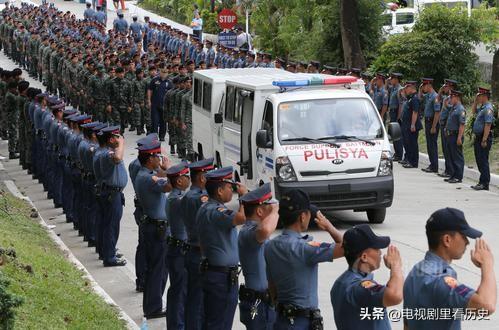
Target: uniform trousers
(482, 158)
(110, 223)
(194, 311)
(432, 143)
(158, 124)
(140, 256)
(445, 150)
(456, 157)
(264, 319)
(220, 300)
(175, 298)
(299, 323)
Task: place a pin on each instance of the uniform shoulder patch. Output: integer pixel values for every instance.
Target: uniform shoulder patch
(221, 209)
(204, 199)
(450, 281)
(314, 243)
(367, 284)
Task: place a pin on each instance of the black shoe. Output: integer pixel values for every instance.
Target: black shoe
(115, 263)
(155, 315)
(480, 187)
(407, 165)
(396, 159)
(131, 129)
(448, 179)
(428, 170)
(80, 233)
(57, 205)
(139, 288)
(455, 181)
(172, 150)
(91, 243)
(69, 220)
(119, 255)
(75, 226)
(13, 155)
(444, 175)
(403, 162)
(85, 238)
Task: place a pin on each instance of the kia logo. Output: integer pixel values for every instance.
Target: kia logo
(337, 161)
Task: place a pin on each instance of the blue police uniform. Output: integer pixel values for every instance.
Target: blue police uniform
(177, 247)
(485, 115)
(152, 198)
(457, 117)
(292, 265)
(431, 107)
(158, 87)
(114, 180)
(380, 98)
(218, 239)
(100, 17)
(190, 204)
(411, 138)
(120, 25)
(89, 14)
(393, 105)
(432, 283)
(351, 292)
(101, 207)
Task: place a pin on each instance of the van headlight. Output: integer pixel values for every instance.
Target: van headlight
(284, 169)
(385, 164)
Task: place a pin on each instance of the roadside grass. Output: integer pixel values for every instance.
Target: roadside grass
(469, 154)
(55, 294)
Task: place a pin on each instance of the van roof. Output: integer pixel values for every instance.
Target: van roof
(221, 75)
(324, 93)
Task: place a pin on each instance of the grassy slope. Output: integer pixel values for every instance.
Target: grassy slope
(55, 294)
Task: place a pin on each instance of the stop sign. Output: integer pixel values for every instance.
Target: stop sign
(227, 19)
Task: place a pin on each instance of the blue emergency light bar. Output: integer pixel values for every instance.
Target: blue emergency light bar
(315, 81)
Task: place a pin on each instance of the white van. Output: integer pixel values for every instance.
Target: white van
(318, 133)
(403, 19)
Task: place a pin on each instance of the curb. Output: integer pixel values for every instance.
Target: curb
(468, 172)
(11, 186)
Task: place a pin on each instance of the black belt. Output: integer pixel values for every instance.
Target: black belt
(155, 221)
(219, 269)
(172, 241)
(250, 295)
(291, 311)
(112, 189)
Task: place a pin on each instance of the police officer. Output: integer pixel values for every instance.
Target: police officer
(178, 176)
(411, 124)
(191, 202)
(114, 180)
(292, 262)
(455, 137)
(120, 24)
(156, 91)
(255, 306)
(394, 106)
(218, 239)
(356, 289)
(431, 112)
(136, 29)
(379, 95)
(445, 108)
(150, 189)
(433, 283)
(482, 130)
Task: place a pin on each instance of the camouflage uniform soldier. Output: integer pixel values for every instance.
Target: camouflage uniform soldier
(119, 99)
(108, 81)
(3, 110)
(53, 62)
(97, 93)
(170, 115)
(141, 114)
(186, 121)
(176, 104)
(22, 121)
(32, 53)
(46, 50)
(12, 118)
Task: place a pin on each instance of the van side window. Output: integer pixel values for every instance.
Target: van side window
(268, 118)
(404, 18)
(238, 108)
(198, 85)
(207, 96)
(230, 103)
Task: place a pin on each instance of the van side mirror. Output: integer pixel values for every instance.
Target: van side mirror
(218, 118)
(394, 131)
(262, 139)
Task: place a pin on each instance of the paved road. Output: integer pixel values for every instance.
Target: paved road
(416, 196)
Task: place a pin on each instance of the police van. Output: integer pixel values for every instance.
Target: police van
(319, 133)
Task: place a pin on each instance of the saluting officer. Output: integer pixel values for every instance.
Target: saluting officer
(150, 189)
(482, 129)
(191, 203)
(178, 176)
(255, 306)
(293, 262)
(455, 137)
(218, 239)
(432, 283)
(356, 289)
(379, 95)
(429, 98)
(394, 105)
(114, 180)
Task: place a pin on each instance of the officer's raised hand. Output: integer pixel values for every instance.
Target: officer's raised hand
(241, 189)
(392, 258)
(481, 254)
(322, 222)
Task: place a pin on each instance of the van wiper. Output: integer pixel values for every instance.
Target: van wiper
(304, 138)
(348, 137)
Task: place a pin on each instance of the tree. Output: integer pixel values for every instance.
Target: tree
(352, 51)
(441, 45)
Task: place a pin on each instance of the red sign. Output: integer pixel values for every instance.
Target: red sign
(227, 19)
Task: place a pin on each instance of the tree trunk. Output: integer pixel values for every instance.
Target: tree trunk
(495, 76)
(352, 53)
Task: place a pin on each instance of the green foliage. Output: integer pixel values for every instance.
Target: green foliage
(310, 29)
(488, 22)
(8, 302)
(439, 46)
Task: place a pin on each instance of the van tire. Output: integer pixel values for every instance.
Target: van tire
(376, 215)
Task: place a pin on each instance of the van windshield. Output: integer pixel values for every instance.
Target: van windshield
(327, 119)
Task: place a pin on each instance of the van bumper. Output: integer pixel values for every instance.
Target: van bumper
(351, 194)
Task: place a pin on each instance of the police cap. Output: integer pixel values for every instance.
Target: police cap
(426, 81)
(451, 219)
(361, 237)
(296, 200)
(152, 148)
(223, 174)
(111, 130)
(178, 170)
(483, 91)
(259, 196)
(202, 165)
